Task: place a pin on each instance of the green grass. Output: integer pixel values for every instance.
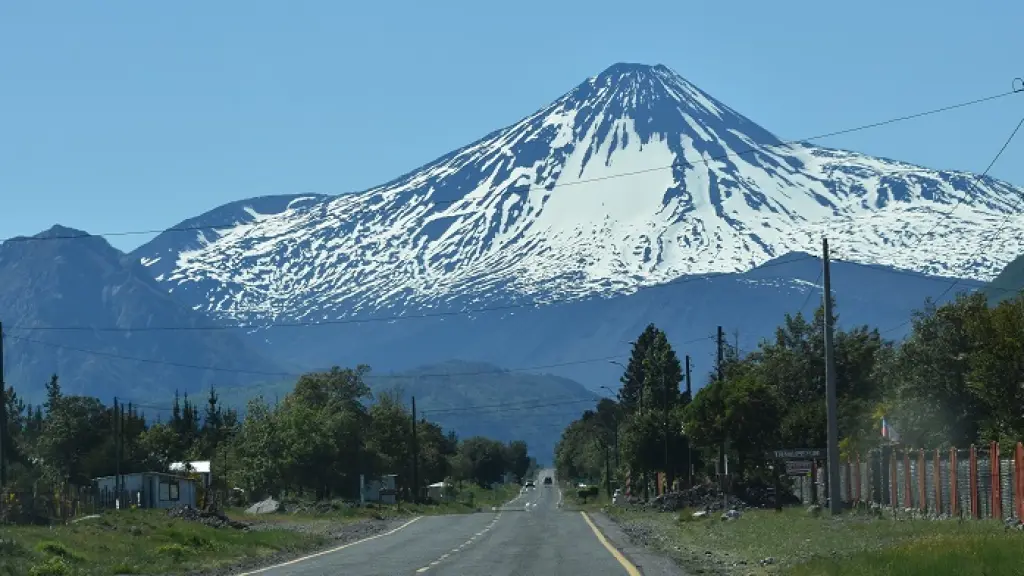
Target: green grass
(852, 544)
(135, 542)
(943, 555)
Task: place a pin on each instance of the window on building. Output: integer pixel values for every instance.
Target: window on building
(169, 490)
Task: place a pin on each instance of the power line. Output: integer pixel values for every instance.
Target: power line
(391, 318)
(532, 187)
(994, 235)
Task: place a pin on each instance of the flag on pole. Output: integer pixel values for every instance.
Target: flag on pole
(888, 431)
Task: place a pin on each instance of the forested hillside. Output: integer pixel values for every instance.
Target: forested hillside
(315, 441)
(954, 381)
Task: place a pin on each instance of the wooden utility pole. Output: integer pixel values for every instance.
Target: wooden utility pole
(3, 415)
(117, 451)
(689, 450)
(721, 380)
(668, 468)
(415, 456)
(831, 406)
(120, 443)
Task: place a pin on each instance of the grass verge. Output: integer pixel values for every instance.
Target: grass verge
(803, 545)
(136, 542)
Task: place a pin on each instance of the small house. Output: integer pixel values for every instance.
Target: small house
(382, 489)
(146, 490)
(201, 468)
(438, 491)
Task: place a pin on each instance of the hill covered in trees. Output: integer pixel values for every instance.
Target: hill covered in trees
(316, 441)
(954, 381)
(470, 398)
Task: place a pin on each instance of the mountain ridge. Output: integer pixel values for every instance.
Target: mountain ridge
(539, 210)
(64, 278)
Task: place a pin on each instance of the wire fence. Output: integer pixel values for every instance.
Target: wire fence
(975, 482)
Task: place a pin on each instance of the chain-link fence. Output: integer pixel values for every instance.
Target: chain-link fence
(971, 483)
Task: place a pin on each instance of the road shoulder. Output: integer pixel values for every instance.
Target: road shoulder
(649, 562)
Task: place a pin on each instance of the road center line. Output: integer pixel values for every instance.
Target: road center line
(463, 545)
(630, 568)
(331, 551)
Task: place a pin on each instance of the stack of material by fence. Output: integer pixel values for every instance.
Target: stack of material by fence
(970, 483)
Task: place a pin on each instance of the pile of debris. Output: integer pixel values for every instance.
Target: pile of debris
(703, 497)
(212, 518)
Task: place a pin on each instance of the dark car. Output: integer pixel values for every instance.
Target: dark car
(547, 479)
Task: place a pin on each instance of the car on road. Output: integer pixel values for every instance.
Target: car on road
(547, 480)
(529, 484)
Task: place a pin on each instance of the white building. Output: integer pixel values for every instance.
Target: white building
(147, 490)
(200, 467)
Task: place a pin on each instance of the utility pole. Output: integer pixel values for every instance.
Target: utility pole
(689, 450)
(120, 442)
(668, 469)
(3, 415)
(831, 408)
(721, 379)
(607, 472)
(117, 453)
(415, 457)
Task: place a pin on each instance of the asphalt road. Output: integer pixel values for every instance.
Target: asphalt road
(529, 536)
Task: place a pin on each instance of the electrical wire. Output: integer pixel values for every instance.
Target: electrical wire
(374, 319)
(532, 187)
(993, 236)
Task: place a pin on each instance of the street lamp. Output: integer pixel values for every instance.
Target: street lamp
(615, 431)
(640, 389)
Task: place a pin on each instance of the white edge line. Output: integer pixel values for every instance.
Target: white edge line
(330, 551)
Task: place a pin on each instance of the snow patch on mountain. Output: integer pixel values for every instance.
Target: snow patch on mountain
(634, 178)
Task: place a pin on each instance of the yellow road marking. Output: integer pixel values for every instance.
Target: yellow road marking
(331, 551)
(630, 568)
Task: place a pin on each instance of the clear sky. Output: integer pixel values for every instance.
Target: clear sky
(136, 115)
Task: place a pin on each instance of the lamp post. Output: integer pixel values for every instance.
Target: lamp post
(639, 389)
(640, 410)
(615, 430)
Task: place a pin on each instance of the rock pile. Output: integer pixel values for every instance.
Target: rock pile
(699, 497)
(213, 519)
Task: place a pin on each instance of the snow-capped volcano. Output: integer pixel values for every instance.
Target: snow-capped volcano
(633, 178)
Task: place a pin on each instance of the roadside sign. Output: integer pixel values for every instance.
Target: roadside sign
(798, 467)
(797, 453)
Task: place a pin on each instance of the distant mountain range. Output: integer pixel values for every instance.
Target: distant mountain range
(545, 246)
(48, 282)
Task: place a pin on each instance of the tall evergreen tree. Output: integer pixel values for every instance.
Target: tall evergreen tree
(634, 376)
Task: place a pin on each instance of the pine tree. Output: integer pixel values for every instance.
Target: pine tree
(634, 376)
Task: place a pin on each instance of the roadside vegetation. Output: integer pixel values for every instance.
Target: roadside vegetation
(306, 451)
(136, 542)
(954, 381)
(793, 542)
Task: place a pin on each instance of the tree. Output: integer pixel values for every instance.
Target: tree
(634, 376)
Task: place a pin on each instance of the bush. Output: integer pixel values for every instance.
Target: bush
(56, 549)
(53, 566)
(176, 552)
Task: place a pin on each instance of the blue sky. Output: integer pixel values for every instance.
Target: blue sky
(122, 116)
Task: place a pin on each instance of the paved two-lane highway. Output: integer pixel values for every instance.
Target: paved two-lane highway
(530, 536)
